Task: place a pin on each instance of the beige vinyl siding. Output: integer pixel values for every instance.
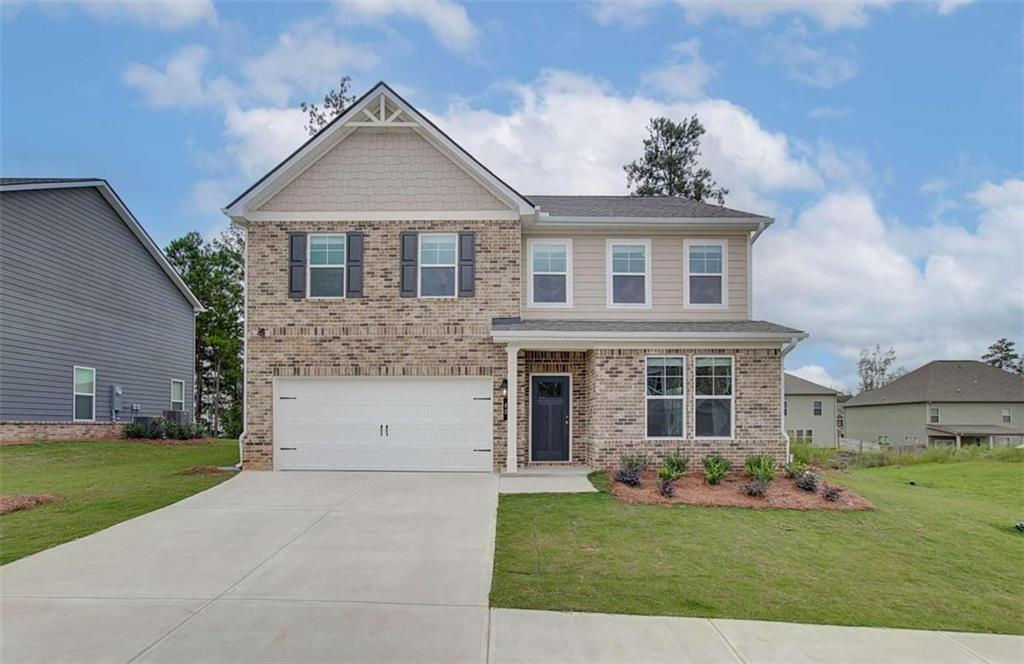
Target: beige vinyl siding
(589, 263)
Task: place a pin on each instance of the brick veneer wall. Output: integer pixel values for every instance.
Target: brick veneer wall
(574, 363)
(380, 334)
(617, 403)
(25, 432)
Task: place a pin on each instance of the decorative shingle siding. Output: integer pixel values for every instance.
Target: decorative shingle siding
(383, 170)
(380, 334)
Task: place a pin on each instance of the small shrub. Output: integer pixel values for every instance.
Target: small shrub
(667, 487)
(676, 464)
(812, 455)
(635, 463)
(163, 429)
(807, 481)
(1019, 526)
(830, 492)
(795, 469)
(760, 467)
(756, 488)
(628, 477)
(716, 468)
(136, 430)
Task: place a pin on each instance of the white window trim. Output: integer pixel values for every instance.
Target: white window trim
(310, 267)
(76, 393)
(612, 242)
(938, 415)
(420, 266)
(686, 272)
(565, 242)
(1006, 415)
(681, 397)
(817, 408)
(731, 398)
(529, 410)
(173, 381)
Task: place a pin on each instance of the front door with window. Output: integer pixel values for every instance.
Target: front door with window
(549, 418)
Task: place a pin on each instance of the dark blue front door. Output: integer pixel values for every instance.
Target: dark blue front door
(549, 418)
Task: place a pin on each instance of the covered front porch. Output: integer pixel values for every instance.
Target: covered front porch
(985, 435)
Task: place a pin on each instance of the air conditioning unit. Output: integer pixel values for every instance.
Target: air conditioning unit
(178, 416)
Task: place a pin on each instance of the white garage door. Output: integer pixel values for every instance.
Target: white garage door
(383, 424)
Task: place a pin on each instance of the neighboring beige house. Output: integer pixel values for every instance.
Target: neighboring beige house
(943, 403)
(810, 411)
(409, 310)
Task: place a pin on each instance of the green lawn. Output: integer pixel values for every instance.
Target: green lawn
(101, 483)
(941, 555)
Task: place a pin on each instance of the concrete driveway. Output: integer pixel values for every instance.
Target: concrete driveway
(270, 567)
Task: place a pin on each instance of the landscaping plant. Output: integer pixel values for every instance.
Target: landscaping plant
(716, 468)
(675, 464)
(630, 467)
(756, 488)
(830, 492)
(795, 469)
(807, 481)
(760, 467)
(666, 483)
(161, 429)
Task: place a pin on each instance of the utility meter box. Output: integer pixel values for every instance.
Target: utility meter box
(115, 400)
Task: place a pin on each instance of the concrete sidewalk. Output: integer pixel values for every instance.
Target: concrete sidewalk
(554, 637)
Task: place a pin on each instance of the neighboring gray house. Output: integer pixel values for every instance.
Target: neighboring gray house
(943, 403)
(810, 411)
(88, 304)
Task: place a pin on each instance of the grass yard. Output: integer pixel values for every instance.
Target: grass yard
(100, 483)
(939, 555)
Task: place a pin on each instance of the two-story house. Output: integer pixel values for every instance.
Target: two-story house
(408, 309)
(96, 327)
(810, 411)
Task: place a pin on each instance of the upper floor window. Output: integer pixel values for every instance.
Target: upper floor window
(665, 393)
(713, 392)
(177, 395)
(705, 273)
(785, 408)
(327, 265)
(85, 394)
(933, 415)
(437, 261)
(1007, 415)
(550, 272)
(817, 407)
(629, 276)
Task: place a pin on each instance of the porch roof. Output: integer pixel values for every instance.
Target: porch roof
(512, 330)
(974, 430)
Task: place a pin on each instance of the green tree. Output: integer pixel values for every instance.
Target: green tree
(334, 104)
(877, 368)
(214, 271)
(1003, 355)
(669, 166)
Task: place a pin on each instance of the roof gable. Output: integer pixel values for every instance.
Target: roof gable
(948, 381)
(380, 108)
(797, 385)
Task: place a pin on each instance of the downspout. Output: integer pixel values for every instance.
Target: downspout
(782, 387)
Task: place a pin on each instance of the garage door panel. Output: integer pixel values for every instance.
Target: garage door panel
(383, 423)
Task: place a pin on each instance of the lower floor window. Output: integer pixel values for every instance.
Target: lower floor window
(85, 393)
(177, 395)
(665, 393)
(713, 388)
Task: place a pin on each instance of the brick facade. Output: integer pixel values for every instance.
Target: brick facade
(556, 362)
(24, 432)
(380, 334)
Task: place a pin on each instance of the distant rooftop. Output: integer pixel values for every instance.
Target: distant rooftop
(635, 206)
(10, 181)
(947, 381)
(797, 385)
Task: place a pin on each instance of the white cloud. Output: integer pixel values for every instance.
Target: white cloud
(946, 7)
(181, 82)
(164, 14)
(827, 112)
(818, 374)
(572, 134)
(831, 15)
(621, 13)
(684, 79)
(258, 138)
(447, 20)
(816, 67)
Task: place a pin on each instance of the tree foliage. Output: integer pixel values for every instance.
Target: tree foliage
(1003, 355)
(877, 368)
(214, 270)
(334, 104)
(669, 165)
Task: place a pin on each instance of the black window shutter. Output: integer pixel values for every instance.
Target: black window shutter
(409, 260)
(467, 264)
(296, 265)
(354, 263)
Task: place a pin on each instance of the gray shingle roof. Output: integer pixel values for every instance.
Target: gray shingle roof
(9, 181)
(949, 381)
(738, 326)
(634, 206)
(797, 385)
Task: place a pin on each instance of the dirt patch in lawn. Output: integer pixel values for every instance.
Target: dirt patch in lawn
(10, 504)
(204, 470)
(691, 489)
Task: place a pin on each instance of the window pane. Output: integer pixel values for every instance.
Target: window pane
(664, 418)
(706, 259)
(437, 281)
(549, 258)
(551, 389)
(629, 258)
(549, 288)
(704, 365)
(713, 418)
(326, 249)
(177, 391)
(673, 366)
(723, 386)
(628, 290)
(84, 381)
(326, 282)
(436, 250)
(705, 290)
(83, 407)
(655, 386)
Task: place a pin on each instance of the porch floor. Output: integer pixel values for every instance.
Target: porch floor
(547, 479)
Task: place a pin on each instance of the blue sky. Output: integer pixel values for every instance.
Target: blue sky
(885, 138)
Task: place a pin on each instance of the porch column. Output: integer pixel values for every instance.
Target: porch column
(511, 452)
(958, 441)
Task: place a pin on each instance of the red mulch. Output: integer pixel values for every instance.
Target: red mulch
(203, 470)
(691, 489)
(10, 504)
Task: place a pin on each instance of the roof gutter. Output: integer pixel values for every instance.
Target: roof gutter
(635, 337)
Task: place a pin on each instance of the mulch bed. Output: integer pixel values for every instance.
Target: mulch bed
(691, 489)
(10, 504)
